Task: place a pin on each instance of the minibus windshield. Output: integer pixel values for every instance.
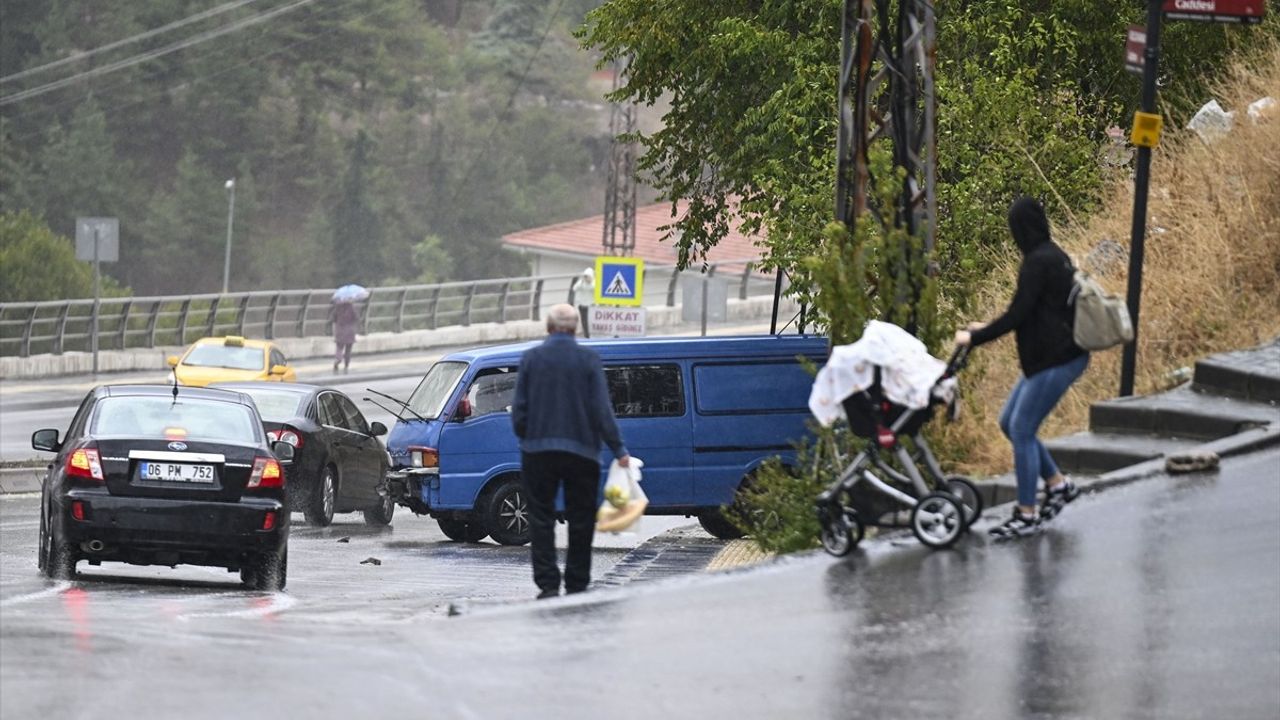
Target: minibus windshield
(429, 398)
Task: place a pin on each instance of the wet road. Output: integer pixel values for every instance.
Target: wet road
(29, 405)
(1157, 600)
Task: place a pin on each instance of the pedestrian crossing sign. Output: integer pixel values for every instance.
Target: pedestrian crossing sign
(619, 280)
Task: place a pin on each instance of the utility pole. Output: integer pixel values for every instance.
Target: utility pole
(231, 216)
(620, 189)
(887, 89)
(1141, 183)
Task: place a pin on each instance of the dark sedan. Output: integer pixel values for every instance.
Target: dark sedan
(160, 475)
(339, 465)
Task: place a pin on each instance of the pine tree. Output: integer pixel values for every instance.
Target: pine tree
(356, 228)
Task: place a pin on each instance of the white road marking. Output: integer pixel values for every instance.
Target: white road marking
(279, 603)
(57, 589)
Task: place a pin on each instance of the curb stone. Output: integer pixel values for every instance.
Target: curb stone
(741, 553)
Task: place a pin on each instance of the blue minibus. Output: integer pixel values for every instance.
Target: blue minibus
(702, 413)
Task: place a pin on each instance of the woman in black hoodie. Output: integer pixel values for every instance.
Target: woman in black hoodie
(1040, 316)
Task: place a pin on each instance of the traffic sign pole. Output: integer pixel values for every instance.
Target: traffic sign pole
(93, 334)
(1142, 181)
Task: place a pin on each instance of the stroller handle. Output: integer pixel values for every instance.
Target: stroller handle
(959, 358)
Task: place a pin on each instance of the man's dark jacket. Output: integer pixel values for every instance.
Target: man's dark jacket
(562, 401)
(1040, 315)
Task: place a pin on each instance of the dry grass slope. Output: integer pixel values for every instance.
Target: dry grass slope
(1212, 272)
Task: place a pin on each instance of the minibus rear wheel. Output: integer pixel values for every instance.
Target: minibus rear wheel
(714, 522)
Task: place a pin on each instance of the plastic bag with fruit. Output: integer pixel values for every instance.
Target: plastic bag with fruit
(624, 500)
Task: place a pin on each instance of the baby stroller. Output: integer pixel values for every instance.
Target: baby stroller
(869, 491)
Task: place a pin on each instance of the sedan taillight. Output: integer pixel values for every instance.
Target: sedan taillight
(85, 463)
(285, 435)
(266, 474)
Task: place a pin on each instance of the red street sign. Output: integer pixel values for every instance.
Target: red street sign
(1236, 11)
(1135, 49)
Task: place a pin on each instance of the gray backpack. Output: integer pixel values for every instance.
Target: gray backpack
(1101, 320)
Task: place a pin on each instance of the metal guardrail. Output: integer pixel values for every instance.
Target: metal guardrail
(58, 326)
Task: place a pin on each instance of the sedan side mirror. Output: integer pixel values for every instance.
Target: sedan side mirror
(283, 452)
(46, 439)
(376, 428)
(172, 361)
(279, 369)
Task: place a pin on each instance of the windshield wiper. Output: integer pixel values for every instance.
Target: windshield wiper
(401, 403)
(385, 408)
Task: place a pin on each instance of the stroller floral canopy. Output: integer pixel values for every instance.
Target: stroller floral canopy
(908, 373)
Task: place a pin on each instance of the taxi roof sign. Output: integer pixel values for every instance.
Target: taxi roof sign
(619, 281)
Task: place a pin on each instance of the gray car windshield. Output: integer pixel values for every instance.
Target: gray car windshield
(429, 398)
(225, 356)
(163, 417)
(276, 405)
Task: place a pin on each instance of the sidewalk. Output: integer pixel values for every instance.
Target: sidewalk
(1231, 407)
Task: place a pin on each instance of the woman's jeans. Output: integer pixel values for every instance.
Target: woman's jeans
(1028, 405)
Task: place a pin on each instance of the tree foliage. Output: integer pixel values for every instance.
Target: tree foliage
(472, 127)
(37, 264)
(1025, 89)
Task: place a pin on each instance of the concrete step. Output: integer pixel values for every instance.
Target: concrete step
(1248, 374)
(1181, 413)
(1096, 453)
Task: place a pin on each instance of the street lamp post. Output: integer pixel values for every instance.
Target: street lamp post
(231, 216)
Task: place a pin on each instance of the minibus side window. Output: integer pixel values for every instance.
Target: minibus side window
(646, 390)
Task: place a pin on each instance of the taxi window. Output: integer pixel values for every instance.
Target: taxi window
(277, 358)
(224, 356)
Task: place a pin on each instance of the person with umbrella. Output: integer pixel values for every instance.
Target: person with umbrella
(345, 320)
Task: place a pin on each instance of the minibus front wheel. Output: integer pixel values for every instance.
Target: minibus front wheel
(504, 510)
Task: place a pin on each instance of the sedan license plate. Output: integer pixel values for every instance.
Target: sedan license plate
(175, 472)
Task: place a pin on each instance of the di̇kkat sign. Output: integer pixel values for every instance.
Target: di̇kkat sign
(1233, 11)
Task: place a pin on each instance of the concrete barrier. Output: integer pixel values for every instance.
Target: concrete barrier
(659, 320)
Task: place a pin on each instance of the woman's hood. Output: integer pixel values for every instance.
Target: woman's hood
(1028, 224)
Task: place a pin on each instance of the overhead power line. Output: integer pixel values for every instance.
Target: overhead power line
(116, 108)
(153, 54)
(211, 12)
(511, 99)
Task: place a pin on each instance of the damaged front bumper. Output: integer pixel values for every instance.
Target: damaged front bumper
(405, 485)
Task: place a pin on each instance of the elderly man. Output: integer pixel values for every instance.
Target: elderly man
(561, 414)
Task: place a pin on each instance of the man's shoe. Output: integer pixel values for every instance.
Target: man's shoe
(553, 592)
(1057, 498)
(574, 591)
(1017, 526)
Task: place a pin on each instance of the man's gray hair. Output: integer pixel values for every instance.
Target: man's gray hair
(562, 318)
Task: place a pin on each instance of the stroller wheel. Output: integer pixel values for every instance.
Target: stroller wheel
(970, 499)
(841, 532)
(938, 519)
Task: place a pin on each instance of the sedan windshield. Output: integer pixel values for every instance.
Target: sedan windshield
(163, 417)
(434, 390)
(276, 405)
(225, 356)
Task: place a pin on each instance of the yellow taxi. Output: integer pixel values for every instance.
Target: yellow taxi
(231, 359)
